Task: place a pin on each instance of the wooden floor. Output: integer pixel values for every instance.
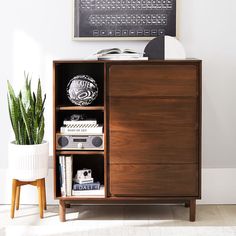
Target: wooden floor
(135, 220)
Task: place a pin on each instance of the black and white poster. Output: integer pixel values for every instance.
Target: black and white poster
(126, 19)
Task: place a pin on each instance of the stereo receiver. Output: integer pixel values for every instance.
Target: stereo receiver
(79, 142)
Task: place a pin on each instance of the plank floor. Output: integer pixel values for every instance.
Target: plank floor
(122, 220)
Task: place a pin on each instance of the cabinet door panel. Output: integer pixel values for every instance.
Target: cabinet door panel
(153, 80)
(151, 114)
(154, 180)
(162, 146)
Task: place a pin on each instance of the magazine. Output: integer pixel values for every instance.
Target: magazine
(118, 54)
(117, 51)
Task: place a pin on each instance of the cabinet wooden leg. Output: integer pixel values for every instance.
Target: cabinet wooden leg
(62, 211)
(17, 197)
(40, 197)
(44, 195)
(192, 210)
(13, 197)
(187, 204)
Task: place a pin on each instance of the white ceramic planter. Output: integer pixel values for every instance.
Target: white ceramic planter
(28, 162)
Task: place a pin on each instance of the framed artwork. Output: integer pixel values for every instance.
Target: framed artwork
(123, 19)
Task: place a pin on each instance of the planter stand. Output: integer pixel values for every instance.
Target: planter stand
(15, 201)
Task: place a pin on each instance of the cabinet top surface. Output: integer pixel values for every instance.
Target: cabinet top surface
(189, 60)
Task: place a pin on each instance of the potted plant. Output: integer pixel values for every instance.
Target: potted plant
(28, 153)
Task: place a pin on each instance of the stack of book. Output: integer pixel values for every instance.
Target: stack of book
(88, 190)
(85, 186)
(81, 127)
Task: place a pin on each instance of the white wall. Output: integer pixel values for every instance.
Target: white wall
(33, 33)
(207, 30)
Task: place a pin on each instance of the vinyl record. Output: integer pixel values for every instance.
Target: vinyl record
(82, 90)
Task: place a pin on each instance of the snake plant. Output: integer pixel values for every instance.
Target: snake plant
(26, 113)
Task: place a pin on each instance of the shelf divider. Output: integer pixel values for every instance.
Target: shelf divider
(59, 152)
(78, 108)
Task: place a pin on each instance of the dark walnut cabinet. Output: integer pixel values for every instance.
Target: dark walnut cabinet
(151, 111)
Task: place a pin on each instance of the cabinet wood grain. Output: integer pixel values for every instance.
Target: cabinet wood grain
(160, 146)
(154, 180)
(151, 113)
(153, 80)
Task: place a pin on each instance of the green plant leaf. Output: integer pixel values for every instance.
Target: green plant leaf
(41, 132)
(10, 90)
(39, 97)
(13, 117)
(26, 122)
(26, 93)
(14, 110)
(35, 131)
(21, 137)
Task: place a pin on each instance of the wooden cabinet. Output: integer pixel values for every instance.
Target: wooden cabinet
(151, 112)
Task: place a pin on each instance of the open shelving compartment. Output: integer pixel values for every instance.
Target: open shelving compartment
(65, 71)
(95, 160)
(89, 160)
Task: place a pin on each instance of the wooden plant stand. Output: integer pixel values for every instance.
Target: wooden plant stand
(16, 187)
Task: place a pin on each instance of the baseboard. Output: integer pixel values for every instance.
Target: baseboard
(217, 187)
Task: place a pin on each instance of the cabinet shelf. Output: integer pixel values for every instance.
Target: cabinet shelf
(71, 198)
(78, 108)
(58, 152)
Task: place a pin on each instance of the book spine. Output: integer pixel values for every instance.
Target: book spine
(68, 160)
(97, 130)
(91, 193)
(64, 171)
(79, 122)
(60, 174)
(80, 126)
(93, 186)
(63, 177)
